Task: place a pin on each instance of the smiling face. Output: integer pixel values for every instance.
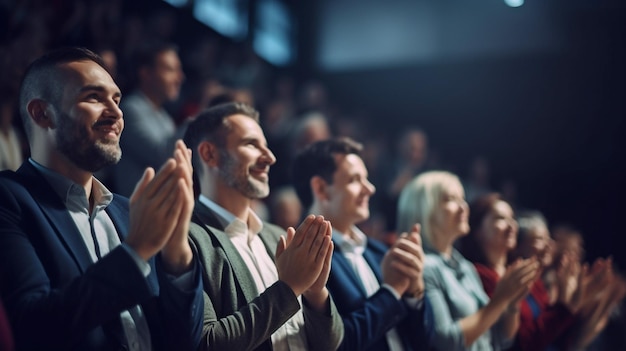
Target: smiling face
(537, 243)
(348, 195)
(450, 215)
(88, 121)
(166, 76)
(245, 161)
(498, 230)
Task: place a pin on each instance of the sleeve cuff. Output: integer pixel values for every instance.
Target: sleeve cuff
(392, 290)
(143, 266)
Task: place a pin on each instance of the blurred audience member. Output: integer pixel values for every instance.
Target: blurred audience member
(379, 292)
(109, 57)
(477, 181)
(285, 207)
(6, 335)
(149, 131)
(568, 240)
(412, 149)
(313, 97)
(492, 237)
(11, 139)
(308, 129)
(589, 292)
(198, 97)
(465, 317)
(409, 161)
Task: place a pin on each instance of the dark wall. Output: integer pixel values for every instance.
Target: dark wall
(554, 122)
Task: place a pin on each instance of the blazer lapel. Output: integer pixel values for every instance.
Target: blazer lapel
(341, 264)
(119, 215)
(269, 241)
(56, 213)
(203, 215)
(373, 263)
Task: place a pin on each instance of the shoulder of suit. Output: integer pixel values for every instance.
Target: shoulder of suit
(273, 227)
(377, 245)
(120, 200)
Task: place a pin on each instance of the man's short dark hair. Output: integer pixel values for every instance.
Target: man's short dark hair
(42, 80)
(318, 159)
(146, 54)
(212, 125)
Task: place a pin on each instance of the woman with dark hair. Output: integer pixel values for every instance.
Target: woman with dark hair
(492, 244)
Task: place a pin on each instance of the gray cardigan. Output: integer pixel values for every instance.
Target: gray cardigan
(455, 292)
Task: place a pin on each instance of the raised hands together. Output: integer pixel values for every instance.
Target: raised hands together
(516, 282)
(160, 211)
(403, 265)
(304, 257)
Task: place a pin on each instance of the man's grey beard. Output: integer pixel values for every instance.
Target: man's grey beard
(228, 173)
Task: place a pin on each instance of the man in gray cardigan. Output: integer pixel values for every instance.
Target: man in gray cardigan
(265, 288)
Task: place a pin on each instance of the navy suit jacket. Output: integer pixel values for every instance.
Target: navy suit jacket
(58, 299)
(367, 320)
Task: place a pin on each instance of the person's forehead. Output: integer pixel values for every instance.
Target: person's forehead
(452, 187)
(78, 74)
(349, 164)
(502, 207)
(243, 126)
(85, 72)
(540, 231)
(167, 57)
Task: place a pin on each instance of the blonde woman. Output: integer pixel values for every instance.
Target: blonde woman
(464, 316)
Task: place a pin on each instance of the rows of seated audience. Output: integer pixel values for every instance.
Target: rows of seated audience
(421, 258)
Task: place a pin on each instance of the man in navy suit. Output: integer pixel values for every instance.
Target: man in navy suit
(379, 292)
(79, 269)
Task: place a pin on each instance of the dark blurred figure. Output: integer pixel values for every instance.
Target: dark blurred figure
(150, 131)
(602, 288)
(285, 207)
(477, 180)
(493, 235)
(6, 335)
(410, 159)
(12, 144)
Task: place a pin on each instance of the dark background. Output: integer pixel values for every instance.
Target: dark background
(539, 90)
(549, 113)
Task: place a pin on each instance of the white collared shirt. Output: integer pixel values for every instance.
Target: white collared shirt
(352, 247)
(244, 236)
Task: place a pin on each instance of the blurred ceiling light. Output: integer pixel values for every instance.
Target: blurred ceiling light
(514, 3)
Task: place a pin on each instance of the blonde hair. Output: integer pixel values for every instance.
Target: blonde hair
(419, 199)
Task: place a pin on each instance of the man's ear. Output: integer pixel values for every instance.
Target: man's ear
(319, 188)
(208, 153)
(41, 113)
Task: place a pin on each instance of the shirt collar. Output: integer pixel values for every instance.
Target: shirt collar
(351, 244)
(454, 261)
(68, 190)
(230, 223)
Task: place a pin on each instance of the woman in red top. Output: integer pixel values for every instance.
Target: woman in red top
(493, 236)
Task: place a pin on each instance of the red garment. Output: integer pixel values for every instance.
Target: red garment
(6, 337)
(534, 334)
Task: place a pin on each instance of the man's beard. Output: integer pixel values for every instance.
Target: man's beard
(73, 141)
(251, 188)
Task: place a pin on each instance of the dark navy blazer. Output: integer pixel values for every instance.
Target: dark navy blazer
(58, 299)
(367, 320)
